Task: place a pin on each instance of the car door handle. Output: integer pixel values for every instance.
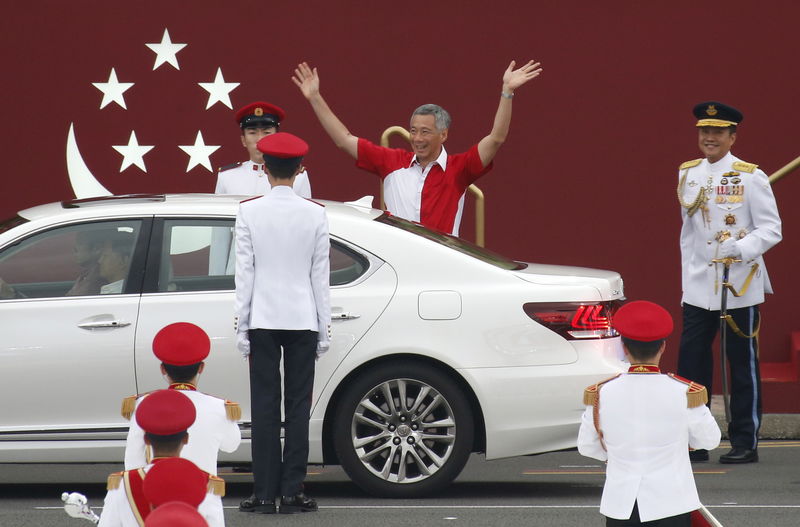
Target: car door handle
(97, 324)
(344, 315)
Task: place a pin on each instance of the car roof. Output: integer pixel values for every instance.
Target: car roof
(211, 204)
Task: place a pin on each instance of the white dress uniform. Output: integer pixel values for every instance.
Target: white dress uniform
(740, 201)
(264, 279)
(249, 179)
(211, 432)
(647, 429)
(117, 511)
(246, 179)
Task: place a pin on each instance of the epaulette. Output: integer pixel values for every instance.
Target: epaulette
(590, 393)
(233, 411)
(696, 394)
(129, 405)
(216, 486)
(114, 480)
(745, 167)
(228, 167)
(690, 164)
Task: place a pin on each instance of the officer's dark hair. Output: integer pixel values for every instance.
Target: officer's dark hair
(732, 129)
(640, 350)
(181, 373)
(282, 168)
(165, 442)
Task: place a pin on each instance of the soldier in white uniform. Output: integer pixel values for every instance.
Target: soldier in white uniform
(182, 347)
(256, 120)
(282, 302)
(728, 210)
(643, 423)
(165, 415)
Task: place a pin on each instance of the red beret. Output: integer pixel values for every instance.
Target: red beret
(282, 145)
(181, 344)
(175, 479)
(165, 412)
(642, 320)
(175, 514)
(260, 114)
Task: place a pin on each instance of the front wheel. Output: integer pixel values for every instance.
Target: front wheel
(403, 430)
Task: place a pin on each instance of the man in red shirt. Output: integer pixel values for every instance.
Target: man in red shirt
(425, 185)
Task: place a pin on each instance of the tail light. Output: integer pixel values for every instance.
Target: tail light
(576, 320)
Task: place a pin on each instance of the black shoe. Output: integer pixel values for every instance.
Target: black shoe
(297, 503)
(739, 455)
(257, 505)
(699, 455)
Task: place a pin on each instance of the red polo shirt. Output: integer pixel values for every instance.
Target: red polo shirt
(431, 196)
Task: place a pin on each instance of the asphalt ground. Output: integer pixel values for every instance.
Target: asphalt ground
(560, 489)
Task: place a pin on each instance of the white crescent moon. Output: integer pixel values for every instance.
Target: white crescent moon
(84, 184)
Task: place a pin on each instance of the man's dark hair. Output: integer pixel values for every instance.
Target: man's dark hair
(181, 373)
(165, 442)
(642, 351)
(281, 168)
(732, 129)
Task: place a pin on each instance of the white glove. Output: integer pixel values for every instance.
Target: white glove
(322, 347)
(76, 507)
(729, 249)
(243, 343)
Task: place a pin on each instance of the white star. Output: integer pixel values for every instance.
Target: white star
(166, 51)
(199, 153)
(219, 90)
(112, 90)
(133, 153)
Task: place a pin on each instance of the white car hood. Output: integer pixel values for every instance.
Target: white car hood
(608, 283)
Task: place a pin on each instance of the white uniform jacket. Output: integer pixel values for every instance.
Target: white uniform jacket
(211, 432)
(740, 201)
(282, 264)
(117, 511)
(249, 179)
(647, 430)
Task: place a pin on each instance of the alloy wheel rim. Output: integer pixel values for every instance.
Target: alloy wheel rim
(403, 431)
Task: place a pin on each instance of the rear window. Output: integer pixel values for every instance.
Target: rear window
(7, 225)
(453, 242)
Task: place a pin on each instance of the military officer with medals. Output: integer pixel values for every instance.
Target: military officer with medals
(728, 211)
(256, 120)
(643, 423)
(283, 311)
(165, 416)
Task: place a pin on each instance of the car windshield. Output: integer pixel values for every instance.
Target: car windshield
(7, 225)
(453, 242)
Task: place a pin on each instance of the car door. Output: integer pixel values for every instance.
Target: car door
(190, 279)
(68, 316)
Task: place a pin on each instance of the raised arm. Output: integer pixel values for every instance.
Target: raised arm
(512, 79)
(307, 80)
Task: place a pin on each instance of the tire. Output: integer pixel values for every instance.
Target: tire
(403, 447)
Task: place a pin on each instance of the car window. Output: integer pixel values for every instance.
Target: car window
(76, 260)
(196, 255)
(454, 242)
(199, 255)
(346, 264)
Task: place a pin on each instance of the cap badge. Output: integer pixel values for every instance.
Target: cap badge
(259, 112)
(730, 219)
(711, 110)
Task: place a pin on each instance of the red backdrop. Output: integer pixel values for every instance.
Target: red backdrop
(588, 174)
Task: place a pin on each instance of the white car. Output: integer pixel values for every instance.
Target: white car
(439, 348)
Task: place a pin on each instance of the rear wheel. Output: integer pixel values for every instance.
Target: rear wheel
(403, 430)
